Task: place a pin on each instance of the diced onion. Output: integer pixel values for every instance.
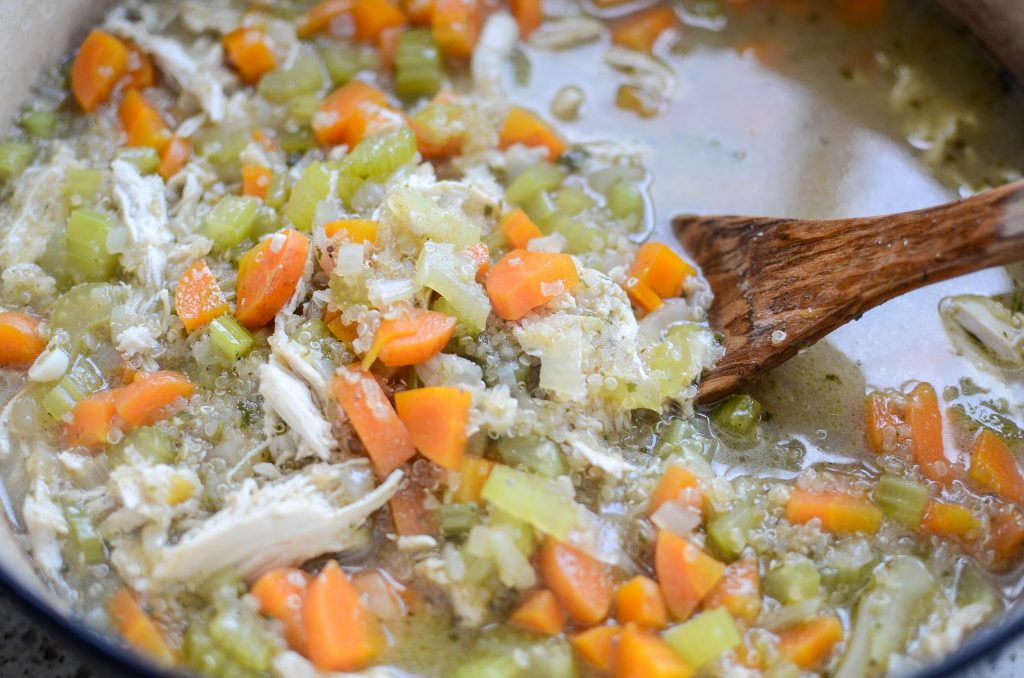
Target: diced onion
(675, 518)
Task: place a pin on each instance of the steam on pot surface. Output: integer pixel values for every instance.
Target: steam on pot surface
(352, 337)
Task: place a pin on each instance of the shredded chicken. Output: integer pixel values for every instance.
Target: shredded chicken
(144, 213)
(46, 526)
(290, 400)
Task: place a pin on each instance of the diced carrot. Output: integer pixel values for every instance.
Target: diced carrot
(528, 14)
(373, 16)
(268, 275)
(420, 12)
(151, 397)
(473, 473)
(436, 418)
(809, 643)
(142, 122)
(595, 644)
(658, 269)
(21, 342)
(993, 468)
(266, 140)
(199, 299)
(341, 331)
(524, 127)
(581, 584)
(347, 113)
(341, 634)
(524, 280)
(139, 629)
(456, 26)
(382, 433)
(739, 590)
(519, 229)
(411, 338)
(677, 484)
(141, 73)
(408, 513)
(256, 181)
(92, 421)
(641, 31)
(1006, 538)
(950, 520)
(641, 654)
(925, 421)
(173, 157)
(101, 62)
(353, 230)
(639, 601)
(481, 256)
(281, 593)
(540, 613)
(320, 17)
(878, 418)
(643, 296)
(381, 594)
(249, 52)
(862, 13)
(685, 573)
(837, 512)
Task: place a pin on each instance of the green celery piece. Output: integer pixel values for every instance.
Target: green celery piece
(231, 220)
(792, 582)
(226, 584)
(728, 530)
(15, 157)
(625, 201)
(478, 570)
(83, 533)
(277, 192)
(230, 338)
(267, 221)
(82, 310)
(311, 331)
(457, 519)
(83, 186)
(572, 200)
(537, 454)
(302, 108)
(427, 219)
(543, 176)
(54, 259)
(488, 666)
(82, 380)
(39, 124)
(442, 305)
(901, 500)
(418, 66)
(971, 587)
(378, 156)
(704, 638)
(342, 61)
(143, 158)
(738, 415)
(532, 499)
(223, 145)
(305, 76)
(241, 636)
(297, 141)
(439, 269)
(88, 254)
(313, 187)
(580, 237)
(542, 210)
(153, 444)
(551, 659)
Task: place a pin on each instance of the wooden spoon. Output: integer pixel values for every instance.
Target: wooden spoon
(782, 284)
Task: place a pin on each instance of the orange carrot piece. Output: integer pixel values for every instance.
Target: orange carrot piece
(639, 601)
(139, 629)
(677, 484)
(101, 62)
(199, 299)
(142, 122)
(519, 229)
(660, 269)
(420, 12)
(950, 520)
(641, 31)
(524, 127)
(341, 633)
(838, 512)
(21, 342)
(878, 418)
(141, 73)
(411, 338)
(540, 613)
(925, 421)
(436, 419)
(346, 114)
(173, 157)
(473, 473)
(151, 397)
(371, 17)
(408, 513)
(481, 256)
(739, 591)
(595, 645)
(382, 433)
(256, 181)
(92, 421)
(249, 52)
(281, 593)
(268, 275)
(641, 654)
(1006, 538)
(809, 643)
(320, 17)
(994, 469)
(581, 584)
(456, 26)
(381, 594)
(524, 280)
(685, 573)
(353, 230)
(529, 14)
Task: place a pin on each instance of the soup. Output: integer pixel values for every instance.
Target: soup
(349, 337)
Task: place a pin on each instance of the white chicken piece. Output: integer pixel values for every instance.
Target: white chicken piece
(144, 213)
(308, 514)
(293, 665)
(45, 523)
(201, 17)
(497, 40)
(300, 360)
(291, 401)
(587, 446)
(493, 409)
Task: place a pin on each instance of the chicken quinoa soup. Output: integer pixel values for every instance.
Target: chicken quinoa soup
(335, 341)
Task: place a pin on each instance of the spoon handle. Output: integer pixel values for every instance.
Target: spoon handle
(782, 284)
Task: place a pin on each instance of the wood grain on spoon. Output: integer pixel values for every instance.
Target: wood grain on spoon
(782, 284)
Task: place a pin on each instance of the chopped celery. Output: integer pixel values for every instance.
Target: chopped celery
(311, 331)
(88, 253)
(277, 192)
(441, 124)
(15, 157)
(793, 581)
(302, 108)
(243, 638)
(439, 269)
(143, 158)
(551, 659)
(342, 61)
(223, 145)
(231, 220)
(40, 124)
(207, 657)
(230, 338)
(267, 221)
(427, 219)
(704, 638)
(83, 379)
(972, 588)
(418, 69)
(442, 305)
(304, 76)
(675, 362)
(847, 565)
(457, 519)
(580, 237)
(541, 209)
(296, 141)
(83, 533)
(737, 416)
(625, 201)
(543, 176)
(488, 666)
(901, 500)
(381, 154)
(313, 187)
(83, 186)
(83, 310)
(572, 200)
(728, 530)
(540, 455)
(532, 499)
(151, 443)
